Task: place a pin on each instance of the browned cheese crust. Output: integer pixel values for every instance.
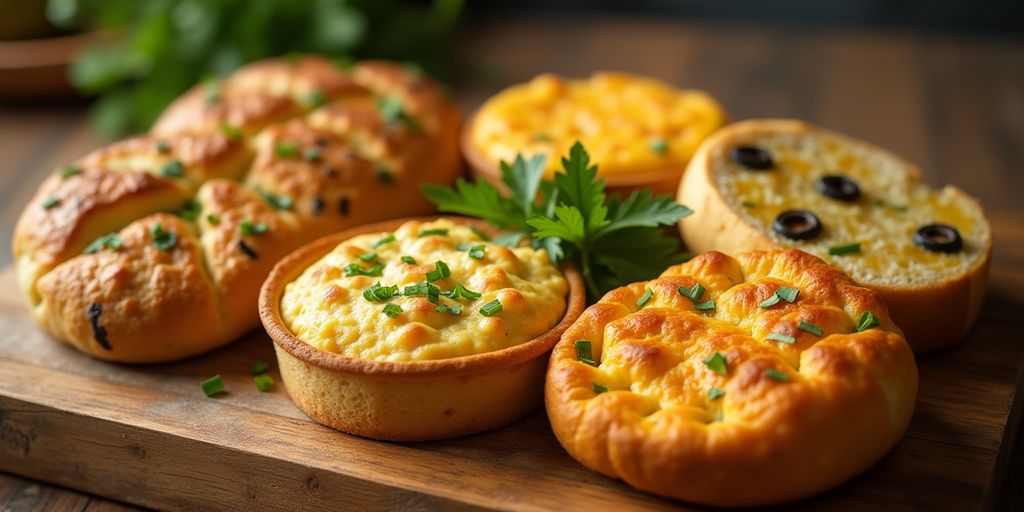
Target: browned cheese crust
(776, 422)
(255, 164)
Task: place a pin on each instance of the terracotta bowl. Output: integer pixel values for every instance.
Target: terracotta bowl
(408, 400)
(661, 181)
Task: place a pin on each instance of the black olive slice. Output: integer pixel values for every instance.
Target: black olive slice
(939, 238)
(797, 225)
(752, 157)
(839, 187)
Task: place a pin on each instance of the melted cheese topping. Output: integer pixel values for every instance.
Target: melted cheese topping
(893, 204)
(621, 119)
(326, 309)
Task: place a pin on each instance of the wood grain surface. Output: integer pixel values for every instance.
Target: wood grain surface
(952, 103)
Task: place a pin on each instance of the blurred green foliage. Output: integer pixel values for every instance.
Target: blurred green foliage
(159, 48)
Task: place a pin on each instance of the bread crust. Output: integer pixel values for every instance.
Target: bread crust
(224, 151)
(848, 397)
(407, 400)
(932, 315)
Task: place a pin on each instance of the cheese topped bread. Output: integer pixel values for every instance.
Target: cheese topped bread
(428, 290)
(642, 131)
(745, 381)
(236, 173)
(765, 184)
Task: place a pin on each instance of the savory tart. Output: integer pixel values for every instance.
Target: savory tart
(641, 131)
(252, 166)
(745, 381)
(764, 184)
(414, 329)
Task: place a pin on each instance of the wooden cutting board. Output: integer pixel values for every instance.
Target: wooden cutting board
(147, 435)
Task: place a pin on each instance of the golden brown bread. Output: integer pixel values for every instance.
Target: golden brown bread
(933, 296)
(772, 421)
(285, 151)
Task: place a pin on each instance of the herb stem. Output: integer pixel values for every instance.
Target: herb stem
(588, 276)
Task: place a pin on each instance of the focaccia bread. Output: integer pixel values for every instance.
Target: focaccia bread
(154, 248)
(742, 381)
(767, 184)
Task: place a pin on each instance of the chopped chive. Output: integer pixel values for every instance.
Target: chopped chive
(455, 309)
(213, 386)
(659, 146)
(263, 382)
(491, 308)
(368, 257)
(173, 169)
(717, 363)
(787, 294)
(393, 112)
(781, 338)
(644, 298)
(278, 202)
(839, 250)
(190, 210)
(50, 202)
(163, 239)
(68, 171)
(353, 269)
(212, 219)
(387, 239)
(162, 147)
(866, 321)
(378, 293)
(408, 260)
(311, 154)
(770, 301)
(431, 232)
(316, 98)
(440, 271)
(480, 233)
(248, 228)
(231, 132)
(598, 388)
(772, 373)
(460, 291)
(285, 149)
(748, 204)
(584, 352)
(811, 328)
(715, 393)
(691, 293)
(424, 289)
(477, 252)
(704, 306)
(111, 241)
(259, 367)
(384, 175)
(391, 309)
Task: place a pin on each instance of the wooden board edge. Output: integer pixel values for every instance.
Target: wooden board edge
(1011, 434)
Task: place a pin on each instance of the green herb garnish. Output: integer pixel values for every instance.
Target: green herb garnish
(423, 289)
(311, 154)
(68, 171)
(378, 293)
(440, 271)
(248, 228)
(781, 338)
(717, 363)
(392, 310)
(408, 260)
(811, 328)
(613, 241)
(659, 146)
(691, 293)
(353, 269)
(173, 169)
(278, 202)
(748, 204)
(480, 233)
(213, 386)
(163, 239)
(772, 373)
(477, 252)
(598, 388)
(866, 321)
(368, 257)
(390, 237)
(162, 147)
(213, 219)
(110, 241)
(644, 298)
(259, 367)
(584, 352)
(286, 149)
(263, 383)
(704, 306)
(454, 309)
(491, 308)
(715, 393)
(783, 293)
(190, 210)
(461, 291)
(839, 250)
(770, 301)
(432, 232)
(393, 112)
(50, 202)
(384, 175)
(316, 98)
(231, 132)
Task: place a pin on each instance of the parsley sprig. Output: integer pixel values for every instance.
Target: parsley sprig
(613, 241)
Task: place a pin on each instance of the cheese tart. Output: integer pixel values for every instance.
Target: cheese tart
(764, 184)
(415, 329)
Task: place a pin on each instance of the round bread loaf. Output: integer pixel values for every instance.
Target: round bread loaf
(770, 184)
(279, 153)
(733, 382)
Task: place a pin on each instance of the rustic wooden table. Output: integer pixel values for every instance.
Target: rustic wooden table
(952, 103)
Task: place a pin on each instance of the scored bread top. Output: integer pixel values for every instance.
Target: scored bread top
(892, 205)
(254, 164)
(737, 391)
